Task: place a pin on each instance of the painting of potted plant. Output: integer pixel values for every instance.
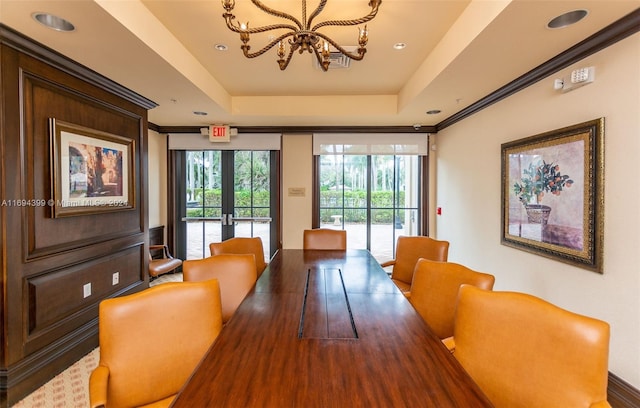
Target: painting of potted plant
(537, 179)
(552, 194)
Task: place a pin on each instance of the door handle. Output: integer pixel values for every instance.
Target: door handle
(227, 219)
(252, 219)
(193, 219)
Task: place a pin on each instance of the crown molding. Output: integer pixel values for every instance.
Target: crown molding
(19, 42)
(619, 30)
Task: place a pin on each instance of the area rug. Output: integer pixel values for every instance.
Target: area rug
(69, 389)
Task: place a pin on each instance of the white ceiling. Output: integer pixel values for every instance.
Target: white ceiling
(457, 52)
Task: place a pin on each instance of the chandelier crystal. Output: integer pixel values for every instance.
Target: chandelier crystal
(302, 36)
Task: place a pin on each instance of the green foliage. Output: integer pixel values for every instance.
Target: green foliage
(213, 198)
(204, 212)
(540, 178)
(355, 203)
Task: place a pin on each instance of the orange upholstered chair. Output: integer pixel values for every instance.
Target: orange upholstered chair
(524, 352)
(242, 245)
(145, 358)
(434, 292)
(235, 272)
(408, 250)
(325, 238)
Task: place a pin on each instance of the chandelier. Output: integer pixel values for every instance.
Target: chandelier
(302, 36)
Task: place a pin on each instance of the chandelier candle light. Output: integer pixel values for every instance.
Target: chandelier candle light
(301, 37)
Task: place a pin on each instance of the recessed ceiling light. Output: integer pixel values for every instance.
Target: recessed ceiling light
(433, 111)
(566, 19)
(53, 22)
(399, 46)
(200, 113)
(221, 47)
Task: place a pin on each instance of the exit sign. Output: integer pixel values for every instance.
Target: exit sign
(219, 133)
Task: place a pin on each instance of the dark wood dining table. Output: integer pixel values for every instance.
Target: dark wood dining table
(328, 329)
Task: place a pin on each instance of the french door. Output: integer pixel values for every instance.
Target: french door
(225, 194)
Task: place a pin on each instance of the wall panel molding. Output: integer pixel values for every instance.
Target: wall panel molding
(49, 321)
(621, 394)
(34, 49)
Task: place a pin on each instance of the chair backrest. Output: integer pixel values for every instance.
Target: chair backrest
(434, 291)
(152, 340)
(411, 248)
(525, 352)
(242, 245)
(325, 238)
(235, 272)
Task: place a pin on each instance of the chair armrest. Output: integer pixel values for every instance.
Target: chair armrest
(600, 404)
(165, 250)
(450, 343)
(98, 382)
(388, 263)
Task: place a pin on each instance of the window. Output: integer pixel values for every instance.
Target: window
(371, 189)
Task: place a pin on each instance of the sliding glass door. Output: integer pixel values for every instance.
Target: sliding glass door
(374, 197)
(372, 186)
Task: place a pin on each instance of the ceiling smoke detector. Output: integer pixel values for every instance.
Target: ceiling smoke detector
(338, 60)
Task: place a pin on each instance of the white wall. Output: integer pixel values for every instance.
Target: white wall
(297, 173)
(157, 160)
(469, 185)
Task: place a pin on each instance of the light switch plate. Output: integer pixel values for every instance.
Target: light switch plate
(86, 289)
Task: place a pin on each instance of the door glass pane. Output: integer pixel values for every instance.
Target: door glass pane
(356, 226)
(407, 195)
(331, 191)
(204, 201)
(394, 202)
(252, 196)
(375, 198)
(382, 235)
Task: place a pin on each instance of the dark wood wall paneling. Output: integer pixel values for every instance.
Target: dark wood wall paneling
(156, 237)
(49, 322)
(621, 394)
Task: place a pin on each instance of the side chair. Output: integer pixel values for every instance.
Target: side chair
(325, 238)
(242, 245)
(235, 272)
(145, 358)
(408, 250)
(434, 292)
(524, 352)
(162, 265)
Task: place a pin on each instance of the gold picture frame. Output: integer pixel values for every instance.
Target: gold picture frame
(92, 171)
(553, 194)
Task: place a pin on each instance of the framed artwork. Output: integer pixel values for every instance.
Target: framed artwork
(92, 171)
(552, 194)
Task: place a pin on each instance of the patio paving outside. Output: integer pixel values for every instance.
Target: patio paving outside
(383, 237)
